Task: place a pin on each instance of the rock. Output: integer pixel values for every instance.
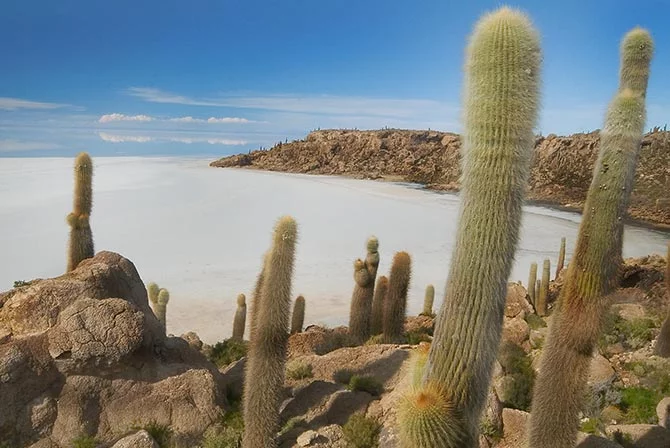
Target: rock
(516, 303)
(536, 338)
(44, 443)
(516, 331)
(601, 373)
(306, 438)
(419, 324)
(233, 377)
(313, 395)
(514, 428)
(140, 439)
(591, 441)
(642, 436)
(193, 340)
(663, 412)
(103, 331)
(317, 340)
(629, 311)
(339, 407)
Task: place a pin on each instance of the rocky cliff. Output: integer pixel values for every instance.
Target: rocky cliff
(560, 176)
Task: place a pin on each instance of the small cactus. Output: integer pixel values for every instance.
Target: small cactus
(298, 317)
(428, 301)
(377, 319)
(81, 237)
(362, 297)
(152, 292)
(532, 277)
(161, 307)
(541, 299)
(561, 258)
(395, 307)
(266, 358)
(240, 318)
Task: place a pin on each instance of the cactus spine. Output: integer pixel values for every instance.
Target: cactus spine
(240, 318)
(541, 308)
(298, 317)
(264, 375)
(81, 238)
(161, 307)
(428, 299)
(561, 257)
(395, 306)
(377, 319)
(365, 273)
(501, 105)
(594, 269)
(532, 277)
(663, 341)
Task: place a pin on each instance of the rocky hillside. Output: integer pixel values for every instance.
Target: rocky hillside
(561, 170)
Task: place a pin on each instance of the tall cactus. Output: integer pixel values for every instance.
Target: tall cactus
(377, 319)
(364, 283)
(500, 111)
(161, 307)
(541, 299)
(561, 258)
(256, 299)
(298, 316)
(428, 299)
(532, 277)
(395, 307)
(264, 375)
(81, 237)
(240, 318)
(663, 341)
(594, 269)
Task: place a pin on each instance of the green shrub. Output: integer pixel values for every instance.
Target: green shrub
(18, 284)
(490, 430)
(415, 337)
(361, 432)
(343, 376)
(517, 365)
(228, 434)
(227, 351)
(639, 404)
(297, 370)
(162, 434)
(366, 383)
(591, 426)
(84, 441)
(535, 322)
(376, 339)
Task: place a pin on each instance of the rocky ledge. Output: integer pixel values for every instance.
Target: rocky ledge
(560, 176)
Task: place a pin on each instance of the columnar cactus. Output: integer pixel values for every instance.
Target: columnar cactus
(161, 307)
(532, 277)
(362, 297)
(663, 340)
(500, 110)
(377, 319)
(395, 306)
(541, 299)
(255, 300)
(561, 258)
(240, 318)
(81, 238)
(152, 294)
(428, 299)
(594, 269)
(298, 317)
(266, 359)
(538, 288)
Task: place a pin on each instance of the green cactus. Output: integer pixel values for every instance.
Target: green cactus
(161, 307)
(395, 306)
(541, 299)
(240, 318)
(298, 316)
(266, 359)
(428, 299)
(500, 112)
(152, 292)
(662, 347)
(594, 269)
(532, 277)
(81, 237)
(538, 287)
(377, 318)
(561, 258)
(362, 297)
(255, 300)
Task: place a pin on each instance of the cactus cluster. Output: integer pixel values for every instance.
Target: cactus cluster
(240, 318)
(81, 237)
(500, 110)
(365, 273)
(158, 298)
(593, 271)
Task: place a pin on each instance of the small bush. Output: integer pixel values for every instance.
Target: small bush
(517, 366)
(490, 430)
(343, 376)
(227, 351)
(591, 426)
(162, 434)
(293, 422)
(297, 370)
(376, 339)
(639, 404)
(366, 383)
(416, 337)
(361, 432)
(535, 322)
(84, 441)
(18, 284)
(226, 435)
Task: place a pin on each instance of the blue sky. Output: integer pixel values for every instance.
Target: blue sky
(215, 77)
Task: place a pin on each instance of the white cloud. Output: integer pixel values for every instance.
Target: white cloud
(114, 138)
(227, 120)
(107, 118)
(17, 103)
(17, 145)
(157, 96)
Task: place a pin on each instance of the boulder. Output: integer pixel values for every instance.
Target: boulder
(516, 331)
(516, 303)
(641, 435)
(601, 373)
(515, 424)
(140, 439)
(663, 412)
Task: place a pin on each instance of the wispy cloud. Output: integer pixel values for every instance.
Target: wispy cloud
(17, 103)
(18, 145)
(108, 118)
(158, 96)
(114, 138)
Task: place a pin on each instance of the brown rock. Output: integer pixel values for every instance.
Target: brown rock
(663, 412)
(516, 331)
(140, 439)
(516, 303)
(514, 428)
(601, 373)
(642, 436)
(591, 441)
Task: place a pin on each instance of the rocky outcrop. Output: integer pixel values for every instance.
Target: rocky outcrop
(82, 354)
(560, 176)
